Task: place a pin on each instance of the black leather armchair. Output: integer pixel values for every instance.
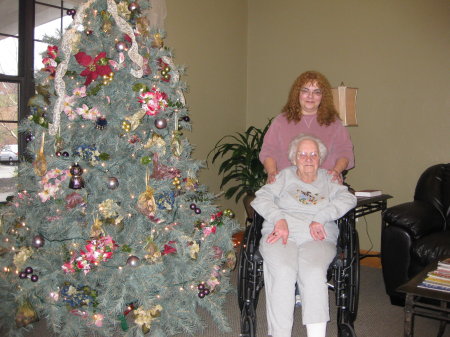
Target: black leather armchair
(417, 232)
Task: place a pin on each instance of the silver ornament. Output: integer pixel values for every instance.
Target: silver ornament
(161, 123)
(133, 261)
(133, 6)
(38, 241)
(113, 183)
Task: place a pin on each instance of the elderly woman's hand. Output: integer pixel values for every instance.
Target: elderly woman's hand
(317, 231)
(280, 231)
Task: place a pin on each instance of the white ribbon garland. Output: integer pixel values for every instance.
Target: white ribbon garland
(133, 52)
(61, 69)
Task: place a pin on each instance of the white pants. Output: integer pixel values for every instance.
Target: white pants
(302, 261)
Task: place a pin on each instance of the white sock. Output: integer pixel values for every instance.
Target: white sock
(316, 329)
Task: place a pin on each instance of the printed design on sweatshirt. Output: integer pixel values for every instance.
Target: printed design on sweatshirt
(308, 198)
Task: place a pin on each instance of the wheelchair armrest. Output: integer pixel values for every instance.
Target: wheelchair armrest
(418, 218)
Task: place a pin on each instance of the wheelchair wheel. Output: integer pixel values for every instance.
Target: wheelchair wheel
(243, 271)
(354, 281)
(346, 330)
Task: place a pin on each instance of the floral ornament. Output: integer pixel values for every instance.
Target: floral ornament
(144, 318)
(165, 200)
(207, 229)
(216, 219)
(95, 251)
(88, 153)
(153, 101)
(51, 182)
(69, 101)
(194, 248)
(214, 279)
(168, 249)
(88, 113)
(109, 209)
(78, 296)
(153, 253)
(94, 67)
(22, 256)
(51, 62)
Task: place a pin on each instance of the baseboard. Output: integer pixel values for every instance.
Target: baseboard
(374, 262)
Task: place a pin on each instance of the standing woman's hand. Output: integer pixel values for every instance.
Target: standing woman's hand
(317, 231)
(271, 177)
(336, 176)
(280, 231)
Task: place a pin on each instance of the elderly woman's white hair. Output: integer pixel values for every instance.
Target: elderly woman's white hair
(301, 137)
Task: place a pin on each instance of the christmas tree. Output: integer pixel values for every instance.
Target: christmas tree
(111, 233)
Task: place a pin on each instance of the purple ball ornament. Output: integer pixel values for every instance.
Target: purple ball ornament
(161, 123)
(29, 137)
(71, 12)
(38, 241)
(201, 286)
(206, 291)
(133, 6)
(201, 294)
(186, 118)
(65, 154)
(23, 275)
(34, 278)
(197, 211)
(121, 46)
(28, 270)
(192, 206)
(133, 261)
(113, 183)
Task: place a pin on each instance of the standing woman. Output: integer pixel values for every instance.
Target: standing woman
(309, 110)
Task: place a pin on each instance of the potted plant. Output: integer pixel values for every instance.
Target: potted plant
(241, 169)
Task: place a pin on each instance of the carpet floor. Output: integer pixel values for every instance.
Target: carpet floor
(376, 316)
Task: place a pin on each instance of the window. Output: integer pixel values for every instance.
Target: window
(23, 23)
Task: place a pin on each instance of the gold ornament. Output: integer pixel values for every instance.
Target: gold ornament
(175, 143)
(96, 229)
(158, 41)
(146, 202)
(142, 26)
(25, 315)
(144, 318)
(154, 254)
(158, 142)
(229, 213)
(135, 119)
(231, 260)
(22, 256)
(40, 163)
(126, 126)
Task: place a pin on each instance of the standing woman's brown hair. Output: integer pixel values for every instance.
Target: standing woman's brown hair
(326, 113)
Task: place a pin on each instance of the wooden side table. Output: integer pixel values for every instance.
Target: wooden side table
(416, 302)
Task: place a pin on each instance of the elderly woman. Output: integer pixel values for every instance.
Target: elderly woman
(299, 237)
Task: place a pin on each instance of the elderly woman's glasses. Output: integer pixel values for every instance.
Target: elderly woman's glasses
(306, 155)
(307, 92)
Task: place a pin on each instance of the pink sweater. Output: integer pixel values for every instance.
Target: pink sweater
(280, 134)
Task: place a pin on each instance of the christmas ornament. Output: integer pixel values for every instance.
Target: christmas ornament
(176, 183)
(93, 253)
(73, 200)
(113, 183)
(51, 183)
(78, 296)
(133, 261)
(94, 67)
(197, 211)
(161, 171)
(145, 160)
(134, 120)
(88, 153)
(175, 143)
(101, 123)
(38, 241)
(146, 203)
(158, 41)
(40, 163)
(97, 229)
(65, 154)
(34, 278)
(76, 181)
(186, 118)
(229, 213)
(121, 46)
(203, 291)
(29, 137)
(110, 210)
(126, 126)
(161, 123)
(25, 315)
(192, 206)
(71, 12)
(165, 201)
(133, 6)
(144, 318)
(153, 253)
(153, 101)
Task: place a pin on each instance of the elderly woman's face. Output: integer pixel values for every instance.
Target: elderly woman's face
(308, 158)
(310, 97)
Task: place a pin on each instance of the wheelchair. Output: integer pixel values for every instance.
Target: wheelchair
(342, 274)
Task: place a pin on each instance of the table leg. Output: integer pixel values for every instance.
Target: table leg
(443, 323)
(409, 316)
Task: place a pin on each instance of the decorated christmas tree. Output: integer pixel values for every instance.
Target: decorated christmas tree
(111, 233)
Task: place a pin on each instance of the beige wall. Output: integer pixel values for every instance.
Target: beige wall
(242, 61)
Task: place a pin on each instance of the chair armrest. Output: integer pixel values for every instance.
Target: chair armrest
(417, 217)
